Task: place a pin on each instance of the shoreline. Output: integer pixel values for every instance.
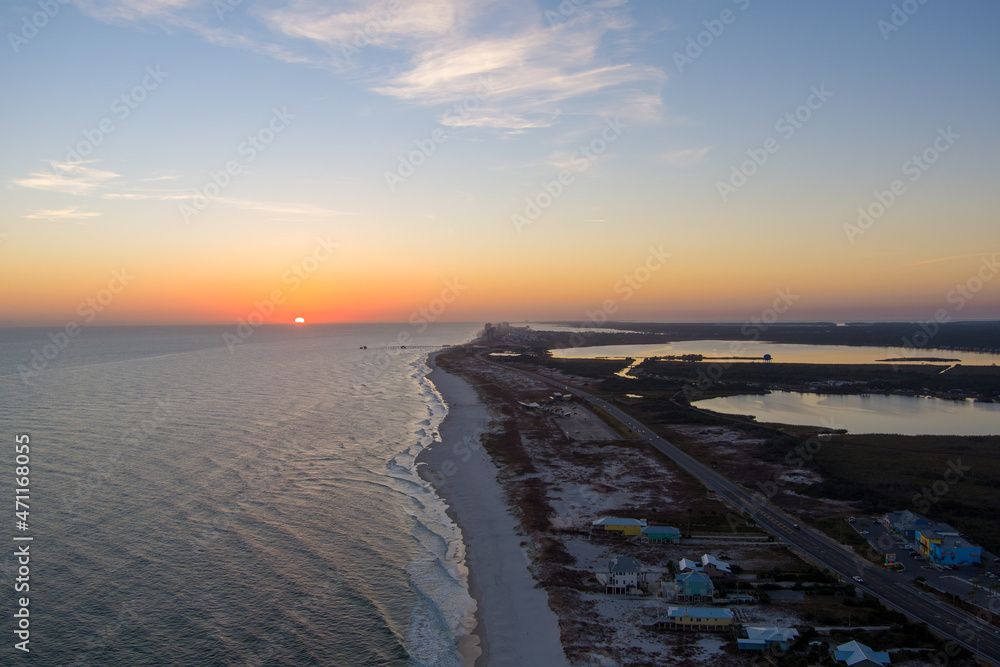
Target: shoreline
(513, 618)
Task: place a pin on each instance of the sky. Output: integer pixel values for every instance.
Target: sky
(186, 161)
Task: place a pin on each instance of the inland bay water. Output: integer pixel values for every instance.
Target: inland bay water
(866, 413)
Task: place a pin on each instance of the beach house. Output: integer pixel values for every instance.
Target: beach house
(856, 654)
(661, 534)
(622, 577)
(694, 587)
(762, 638)
(613, 525)
(708, 564)
(714, 567)
(688, 565)
(709, 619)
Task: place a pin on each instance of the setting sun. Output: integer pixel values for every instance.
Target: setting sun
(300, 320)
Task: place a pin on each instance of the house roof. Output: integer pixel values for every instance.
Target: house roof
(660, 530)
(688, 564)
(693, 576)
(906, 520)
(700, 612)
(771, 634)
(615, 521)
(707, 559)
(623, 564)
(854, 653)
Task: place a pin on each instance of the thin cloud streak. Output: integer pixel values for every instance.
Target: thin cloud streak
(948, 259)
(68, 178)
(71, 213)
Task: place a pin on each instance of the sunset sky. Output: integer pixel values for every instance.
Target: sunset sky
(662, 160)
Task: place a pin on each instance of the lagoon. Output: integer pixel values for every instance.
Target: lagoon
(875, 413)
(780, 352)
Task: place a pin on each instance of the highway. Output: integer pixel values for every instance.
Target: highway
(891, 588)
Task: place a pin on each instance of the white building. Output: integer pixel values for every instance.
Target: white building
(623, 575)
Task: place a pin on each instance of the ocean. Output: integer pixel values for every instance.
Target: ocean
(193, 503)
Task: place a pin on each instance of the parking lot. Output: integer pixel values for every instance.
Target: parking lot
(957, 581)
(581, 424)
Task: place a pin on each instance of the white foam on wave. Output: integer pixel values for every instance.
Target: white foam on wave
(445, 610)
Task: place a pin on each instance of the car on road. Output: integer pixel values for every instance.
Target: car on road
(796, 526)
(851, 520)
(864, 532)
(859, 579)
(907, 546)
(916, 557)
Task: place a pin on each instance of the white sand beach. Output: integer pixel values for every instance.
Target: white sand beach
(515, 624)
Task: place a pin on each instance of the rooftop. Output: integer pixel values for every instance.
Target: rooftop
(854, 653)
(623, 564)
(617, 521)
(700, 612)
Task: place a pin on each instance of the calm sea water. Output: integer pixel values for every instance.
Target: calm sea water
(869, 413)
(192, 505)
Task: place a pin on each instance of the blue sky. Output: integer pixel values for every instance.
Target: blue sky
(512, 91)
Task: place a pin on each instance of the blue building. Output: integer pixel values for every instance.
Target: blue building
(942, 544)
(939, 542)
(759, 638)
(856, 654)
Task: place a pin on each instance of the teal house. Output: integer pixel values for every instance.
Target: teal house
(661, 534)
(694, 586)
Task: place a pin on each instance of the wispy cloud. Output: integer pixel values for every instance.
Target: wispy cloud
(70, 178)
(437, 52)
(949, 258)
(282, 209)
(686, 156)
(131, 11)
(70, 213)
